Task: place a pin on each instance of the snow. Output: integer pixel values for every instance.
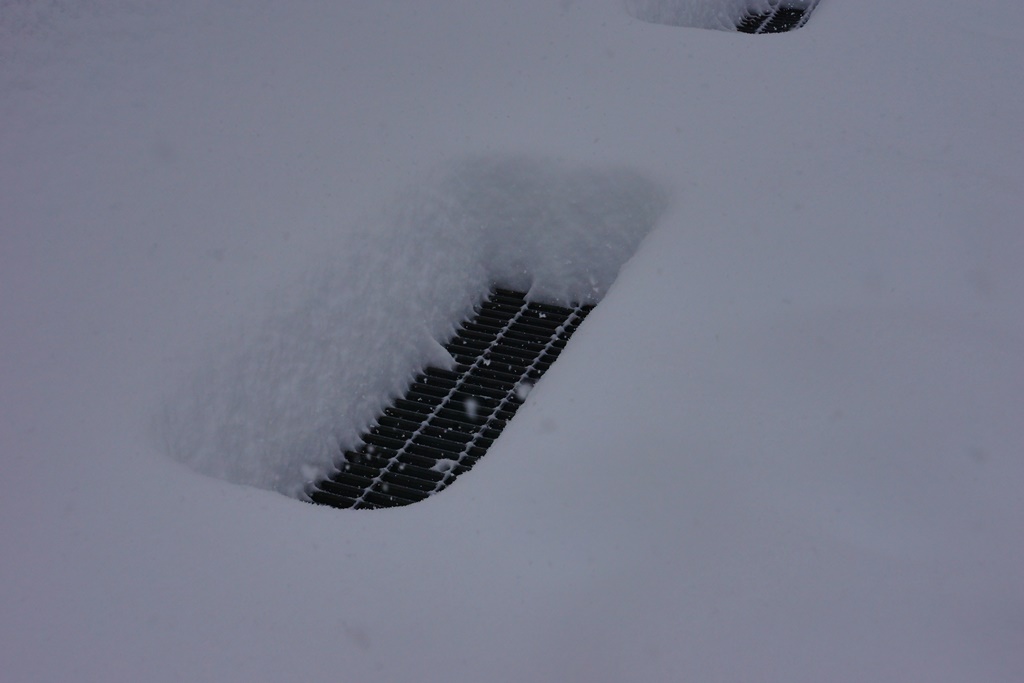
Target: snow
(444, 465)
(785, 446)
(720, 15)
(285, 396)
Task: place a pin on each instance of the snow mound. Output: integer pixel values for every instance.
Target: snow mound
(274, 405)
(721, 15)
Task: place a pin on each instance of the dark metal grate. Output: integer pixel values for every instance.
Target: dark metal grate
(447, 419)
(778, 19)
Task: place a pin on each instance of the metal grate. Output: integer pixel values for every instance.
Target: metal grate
(447, 419)
(778, 19)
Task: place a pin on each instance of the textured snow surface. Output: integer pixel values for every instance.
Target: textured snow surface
(278, 404)
(786, 446)
(721, 15)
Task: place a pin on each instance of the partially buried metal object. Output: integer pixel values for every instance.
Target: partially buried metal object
(779, 18)
(447, 419)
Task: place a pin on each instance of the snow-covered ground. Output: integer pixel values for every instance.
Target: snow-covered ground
(787, 445)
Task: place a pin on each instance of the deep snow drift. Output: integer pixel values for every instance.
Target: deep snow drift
(273, 407)
(786, 445)
(719, 15)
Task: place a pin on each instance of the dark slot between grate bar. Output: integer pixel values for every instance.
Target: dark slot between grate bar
(778, 19)
(447, 419)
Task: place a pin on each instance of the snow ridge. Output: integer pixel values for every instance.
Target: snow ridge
(305, 377)
(721, 15)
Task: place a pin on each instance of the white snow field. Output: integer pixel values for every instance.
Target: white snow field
(786, 447)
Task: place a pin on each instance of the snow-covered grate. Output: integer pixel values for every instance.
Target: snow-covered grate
(779, 19)
(447, 419)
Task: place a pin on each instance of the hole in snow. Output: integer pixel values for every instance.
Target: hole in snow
(316, 364)
(746, 16)
(447, 418)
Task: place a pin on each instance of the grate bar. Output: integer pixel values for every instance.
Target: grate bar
(780, 18)
(448, 419)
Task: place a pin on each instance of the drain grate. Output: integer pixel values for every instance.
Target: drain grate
(778, 19)
(447, 419)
